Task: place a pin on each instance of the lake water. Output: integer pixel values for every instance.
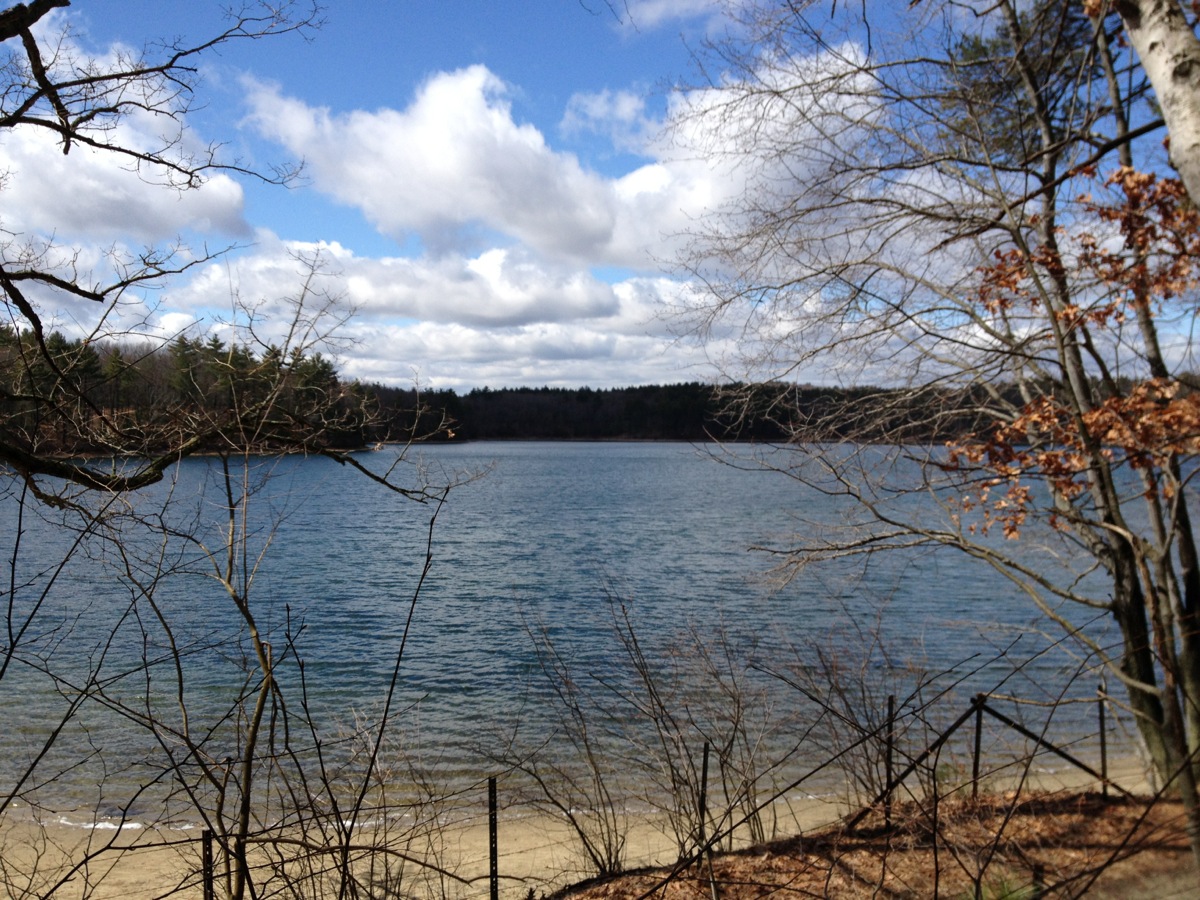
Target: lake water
(557, 540)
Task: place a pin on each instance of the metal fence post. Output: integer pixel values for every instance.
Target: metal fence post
(704, 848)
(493, 854)
(1101, 693)
(978, 746)
(703, 809)
(206, 856)
(890, 740)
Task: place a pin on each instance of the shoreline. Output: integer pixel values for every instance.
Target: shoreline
(535, 850)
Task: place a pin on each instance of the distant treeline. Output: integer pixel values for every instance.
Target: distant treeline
(68, 396)
(686, 412)
(663, 413)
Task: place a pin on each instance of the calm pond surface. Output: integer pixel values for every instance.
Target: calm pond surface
(553, 540)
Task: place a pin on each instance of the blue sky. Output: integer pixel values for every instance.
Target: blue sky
(485, 184)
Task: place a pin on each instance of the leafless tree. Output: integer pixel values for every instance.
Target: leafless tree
(97, 658)
(967, 205)
(53, 393)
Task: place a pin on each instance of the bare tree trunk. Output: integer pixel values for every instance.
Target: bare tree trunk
(1170, 55)
(1137, 667)
(1173, 727)
(1188, 615)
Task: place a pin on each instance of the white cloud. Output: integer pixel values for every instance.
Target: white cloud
(505, 297)
(171, 325)
(621, 116)
(491, 289)
(652, 13)
(493, 319)
(454, 158)
(512, 233)
(498, 287)
(456, 169)
(94, 195)
(460, 357)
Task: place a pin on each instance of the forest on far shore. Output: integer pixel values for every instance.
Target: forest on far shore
(691, 411)
(129, 398)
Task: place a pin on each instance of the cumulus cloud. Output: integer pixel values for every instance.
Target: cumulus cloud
(630, 345)
(457, 321)
(96, 195)
(454, 158)
(499, 287)
(456, 169)
(515, 228)
(459, 357)
(620, 116)
(508, 235)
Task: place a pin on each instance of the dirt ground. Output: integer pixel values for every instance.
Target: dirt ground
(1079, 845)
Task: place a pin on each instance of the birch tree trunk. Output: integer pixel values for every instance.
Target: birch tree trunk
(1169, 51)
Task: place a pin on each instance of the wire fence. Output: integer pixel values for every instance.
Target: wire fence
(514, 850)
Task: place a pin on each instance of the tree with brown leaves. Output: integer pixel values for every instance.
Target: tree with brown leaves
(972, 202)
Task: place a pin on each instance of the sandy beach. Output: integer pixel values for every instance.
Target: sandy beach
(536, 851)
